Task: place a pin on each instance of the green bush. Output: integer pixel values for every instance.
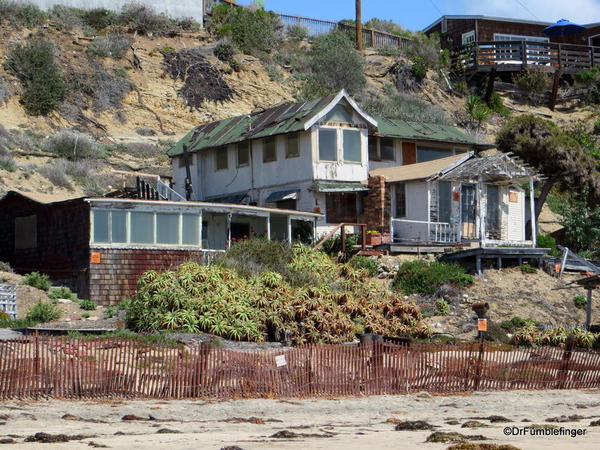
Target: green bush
(252, 256)
(297, 33)
(99, 18)
(526, 268)
(87, 305)
(110, 46)
(224, 51)
(547, 241)
(477, 110)
(61, 292)
(34, 64)
(534, 82)
(74, 146)
(517, 322)
(333, 245)
(580, 301)
(21, 14)
(43, 312)
(426, 278)
(419, 68)
(110, 312)
(369, 265)
(443, 308)
(143, 19)
(37, 280)
(7, 322)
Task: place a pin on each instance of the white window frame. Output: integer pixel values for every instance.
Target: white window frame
(468, 37)
(339, 153)
(518, 37)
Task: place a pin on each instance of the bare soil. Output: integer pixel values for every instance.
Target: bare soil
(339, 423)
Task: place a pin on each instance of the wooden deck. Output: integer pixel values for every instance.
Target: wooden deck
(514, 56)
(497, 254)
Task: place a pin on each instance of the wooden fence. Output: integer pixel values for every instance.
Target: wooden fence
(371, 38)
(39, 367)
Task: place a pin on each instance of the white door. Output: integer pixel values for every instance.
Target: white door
(516, 215)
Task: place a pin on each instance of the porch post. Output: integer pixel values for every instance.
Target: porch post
(229, 230)
(428, 211)
(269, 227)
(289, 229)
(532, 213)
(482, 213)
(200, 229)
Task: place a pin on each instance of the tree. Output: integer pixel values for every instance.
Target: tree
(556, 154)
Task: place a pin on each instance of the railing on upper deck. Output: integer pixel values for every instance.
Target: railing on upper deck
(405, 230)
(371, 38)
(518, 55)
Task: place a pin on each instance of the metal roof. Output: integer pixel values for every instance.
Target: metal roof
(339, 186)
(418, 131)
(280, 119)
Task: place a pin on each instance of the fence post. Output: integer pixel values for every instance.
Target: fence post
(479, 366)
(37, 363)
(564, 367)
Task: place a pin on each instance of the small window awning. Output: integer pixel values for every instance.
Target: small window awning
(232, 199)
(339, 186)
(279, 196)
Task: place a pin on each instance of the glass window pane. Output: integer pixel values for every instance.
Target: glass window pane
(387, 149)
(190, 229)
(352, 145)
(373, 154)
(444, 201)
(400, 200)
(269, 150)
(327, 144)
(429, 154)
(142, 228)
(119, 233)
(167, 228)
(243, 154)
(221, 157)
(292, 149)
(100, 226)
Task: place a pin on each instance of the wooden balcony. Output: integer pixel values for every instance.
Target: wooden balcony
(514, 56)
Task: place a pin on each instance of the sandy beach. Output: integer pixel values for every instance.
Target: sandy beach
(347, 423)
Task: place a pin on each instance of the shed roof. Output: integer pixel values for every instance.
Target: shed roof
(42, 198)
(494, 167)
(283, 118)
(419, 171)
(419, 131)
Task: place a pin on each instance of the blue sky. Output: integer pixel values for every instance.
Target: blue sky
(417, 14)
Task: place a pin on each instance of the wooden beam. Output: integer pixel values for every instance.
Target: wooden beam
(532, 213)
(359, 27)
(588, 309)
(555, 85)
(490, 86)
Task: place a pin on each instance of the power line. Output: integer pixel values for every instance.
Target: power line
(436, 7)
(527, 9)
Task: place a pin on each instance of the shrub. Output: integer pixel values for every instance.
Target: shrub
(108, 90)
(333, 245)
(369, 265)
(56, 175)
(477, 111)
(427, 50)
(74, 146)
(580, 301)
(443, 308)
(297, 33)
(20, 14)
(5, 91)
(112, 45)
(333, 64)
(253, 256)
(110, 312)
(143, 19)
(43, 312)
(526, 268)
(419, 68)
(33, 63)
(420, 277)
(61, 292)
(67, 16)
(17, 323)
(87, 305)
(224, 51)
(37, 280)
(547, 241)
(99, 18)
(534, 82)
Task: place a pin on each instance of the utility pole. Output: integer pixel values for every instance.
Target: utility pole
(359, 33)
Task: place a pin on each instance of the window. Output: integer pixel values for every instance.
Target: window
(373, 150)
(429, 154)
(25, 232)
(142, 227)
(190, 229)
(444, 25)
(167, 228)
(243, 154)
(118, 226)
(182, 160)
(468, 38)
(516, 37)
(292, 146)
(340, 207)
(352, 146)
(327, 144)
(400, 200)
(444, 201)
(101, 226)
(221, 158)
(339, 114)
(269, 150)
(386, 147)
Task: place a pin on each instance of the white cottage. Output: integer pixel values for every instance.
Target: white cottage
(328, 156)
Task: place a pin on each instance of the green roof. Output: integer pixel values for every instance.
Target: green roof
(417, 131)
(284, 118)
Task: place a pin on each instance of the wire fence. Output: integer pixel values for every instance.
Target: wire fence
(42, 366)
(371, 38)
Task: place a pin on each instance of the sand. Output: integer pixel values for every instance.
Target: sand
(350, 423)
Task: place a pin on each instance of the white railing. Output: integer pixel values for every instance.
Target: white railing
(166, 193)
(423, 231)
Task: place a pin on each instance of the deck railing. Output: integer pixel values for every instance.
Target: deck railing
(406, 230)
(371, 38)
(518, 55)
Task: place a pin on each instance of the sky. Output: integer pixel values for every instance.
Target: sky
(417, 14)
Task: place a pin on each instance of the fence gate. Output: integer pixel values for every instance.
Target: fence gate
(8, 299)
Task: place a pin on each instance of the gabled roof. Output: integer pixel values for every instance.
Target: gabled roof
(497, 167)
(280, 119)
(426, 132)
(420, 171)
(44, 199)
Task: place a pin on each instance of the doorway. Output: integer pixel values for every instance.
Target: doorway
(468, 214)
